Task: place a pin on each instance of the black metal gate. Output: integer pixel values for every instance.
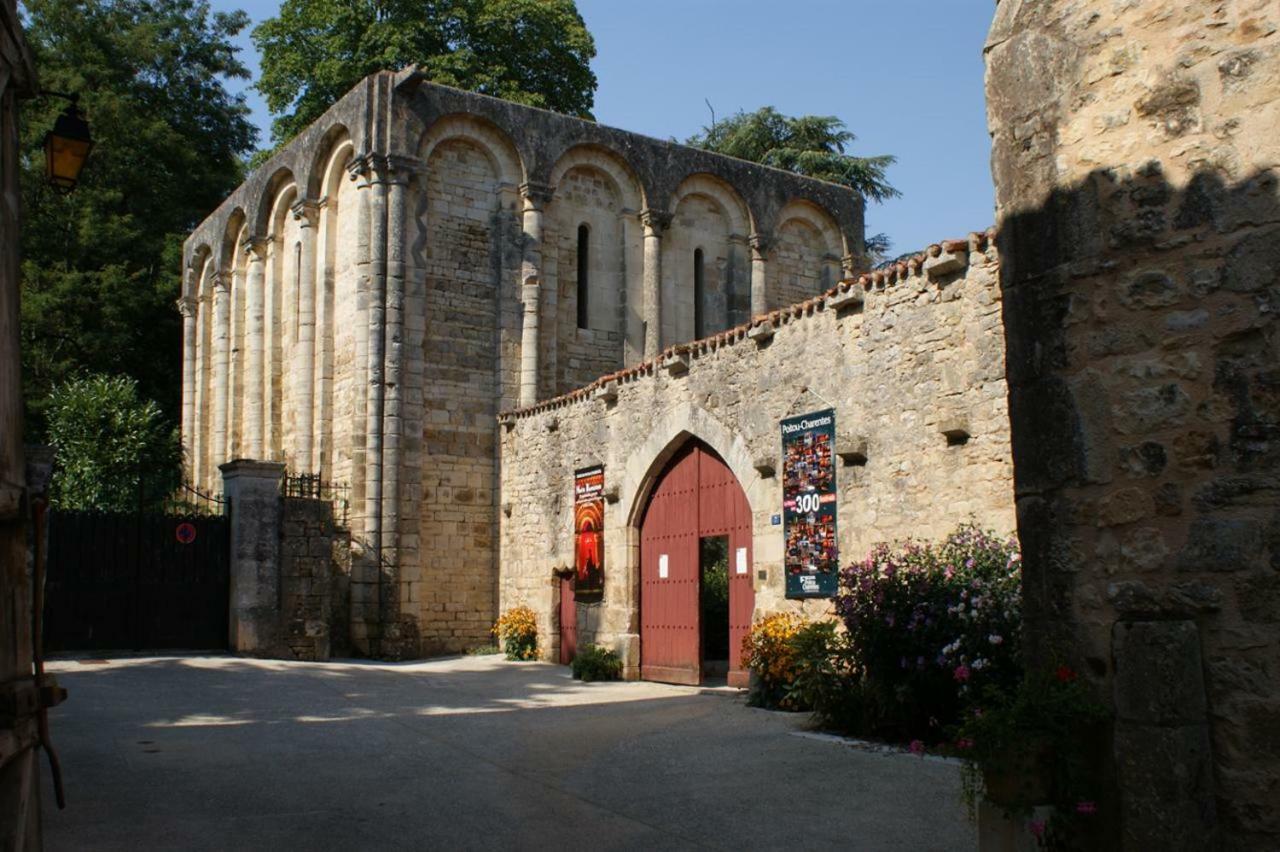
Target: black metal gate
(117, 580)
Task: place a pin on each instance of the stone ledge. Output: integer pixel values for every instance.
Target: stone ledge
(676, 363)
(849, 300)
(762, 333)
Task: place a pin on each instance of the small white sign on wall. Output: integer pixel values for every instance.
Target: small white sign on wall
(742, 560)
(662, 567)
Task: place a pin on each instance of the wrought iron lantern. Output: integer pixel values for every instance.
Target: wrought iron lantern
(67, 146)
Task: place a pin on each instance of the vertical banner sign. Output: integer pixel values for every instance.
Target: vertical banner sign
(588, 534)
(810, 555)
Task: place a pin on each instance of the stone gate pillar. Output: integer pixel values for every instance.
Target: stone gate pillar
(253, 487)
(1136, 160)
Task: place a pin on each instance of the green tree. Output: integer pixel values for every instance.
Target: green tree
(101, 266)
(534, 52)
(110, 445)
(811, 145)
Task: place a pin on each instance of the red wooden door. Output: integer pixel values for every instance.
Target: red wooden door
(669, 640)
(723, 510)
(568, 622)
(696, 496)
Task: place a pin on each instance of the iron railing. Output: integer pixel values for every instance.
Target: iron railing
(315, 487)
(187, 499)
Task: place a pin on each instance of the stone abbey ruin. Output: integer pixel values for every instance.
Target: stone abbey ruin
(460, 307)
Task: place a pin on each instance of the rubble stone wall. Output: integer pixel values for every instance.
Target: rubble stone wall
(903, 356)
(1137, 161)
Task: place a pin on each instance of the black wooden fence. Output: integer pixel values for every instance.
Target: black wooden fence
(137, 580)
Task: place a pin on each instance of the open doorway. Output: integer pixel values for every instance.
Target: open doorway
(696, 594)
(713, 606)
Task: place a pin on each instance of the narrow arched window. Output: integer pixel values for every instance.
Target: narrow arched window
(699, 293)
(584, 257)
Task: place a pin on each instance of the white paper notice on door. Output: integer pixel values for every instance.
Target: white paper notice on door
(662, 567)
(742, 560)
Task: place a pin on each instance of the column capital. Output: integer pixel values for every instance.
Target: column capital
(759, 243)
(655, 220)
(186, 306)
(536, 194)
(255, 248)
(219, 282)
(384, 168)
(306, 212)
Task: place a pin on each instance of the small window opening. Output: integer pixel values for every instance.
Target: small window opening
(699, 291)
(584, 257)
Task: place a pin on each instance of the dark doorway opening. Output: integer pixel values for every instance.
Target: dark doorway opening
(713, 605)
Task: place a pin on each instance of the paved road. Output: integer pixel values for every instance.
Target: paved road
(471, 753)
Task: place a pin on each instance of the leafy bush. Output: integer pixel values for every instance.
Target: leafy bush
(927, 624)
(1034, 744)
(825, 676)
(517, 628)
(768, 652)
(113, 448)
(596, 663)
(482, 650)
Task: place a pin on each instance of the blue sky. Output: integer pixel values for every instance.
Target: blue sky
(905, 75)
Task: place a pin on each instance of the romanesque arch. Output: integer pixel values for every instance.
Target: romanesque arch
(591, 237)
(466, 201)
(626, 185)
(706, 261)
(336, 321)
(804, 256)
(197, 440)
(280, 319)
(482, 136)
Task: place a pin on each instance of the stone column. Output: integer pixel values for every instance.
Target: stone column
(375, 363)
(187, 307)
(759, 274)
(535, 198)
(253, 488)
(217, 453)
(306, 213)
(654, 222)
(849, 266)
(255, 343)
(393, 407)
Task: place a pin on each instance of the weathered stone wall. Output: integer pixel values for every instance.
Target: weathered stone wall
(902, 356)
(314, 573)
(1136, 156)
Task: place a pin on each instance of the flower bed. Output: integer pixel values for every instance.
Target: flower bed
(517, 628)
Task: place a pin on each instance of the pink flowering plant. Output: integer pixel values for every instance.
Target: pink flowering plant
(1034, 745)
(930, 624)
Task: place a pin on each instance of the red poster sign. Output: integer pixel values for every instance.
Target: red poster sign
(588, 531)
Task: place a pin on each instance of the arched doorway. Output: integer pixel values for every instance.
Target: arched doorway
(695, 551)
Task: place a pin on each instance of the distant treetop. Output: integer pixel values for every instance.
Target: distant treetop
(811, 145)
(534, 52)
